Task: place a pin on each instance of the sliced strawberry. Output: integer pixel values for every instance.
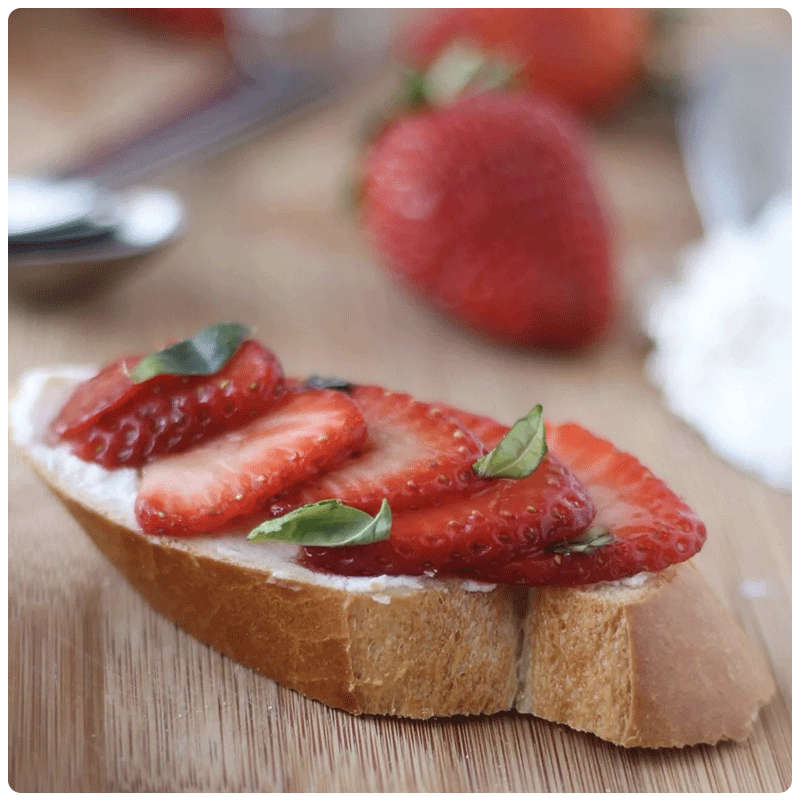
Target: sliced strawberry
(414, 456)
(487, 430)
(507, 518)
(228, 479)
(646, 526)
(111, 387)
(115, 422)
(651, 526)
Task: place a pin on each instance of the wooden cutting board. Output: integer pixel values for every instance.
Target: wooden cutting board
(105, 695)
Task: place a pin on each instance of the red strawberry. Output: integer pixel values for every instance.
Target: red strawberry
(228, 479)
(485, 207)
(507, 518)
(646, 526)
(586, 58)
(107, 390)
(414, 455)
(486, 430)
(202, 22)
(651, 527)
(115, 422)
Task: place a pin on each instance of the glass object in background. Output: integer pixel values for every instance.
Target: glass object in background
(355, 40)
(722, 335)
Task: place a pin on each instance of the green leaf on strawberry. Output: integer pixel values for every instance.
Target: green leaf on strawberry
(462, 69)
(594, 538)
(519, 452)
(204, 354)
(322, 382)
(328, 523)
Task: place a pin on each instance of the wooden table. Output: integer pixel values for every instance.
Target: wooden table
(107, 696)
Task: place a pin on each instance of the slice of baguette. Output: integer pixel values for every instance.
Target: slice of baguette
(654, 661)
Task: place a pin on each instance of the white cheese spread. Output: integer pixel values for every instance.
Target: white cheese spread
(43, 392)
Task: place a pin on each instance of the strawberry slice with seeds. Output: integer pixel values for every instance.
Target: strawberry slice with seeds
(641, 525)
(228, 479)
(415, 455)
(115, 422)
(486, 429)
(505, 519)
(111, 387)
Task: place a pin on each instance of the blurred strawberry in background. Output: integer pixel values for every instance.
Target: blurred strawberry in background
(207, 23)
(475, 186)
(589, 59)
(482, 203)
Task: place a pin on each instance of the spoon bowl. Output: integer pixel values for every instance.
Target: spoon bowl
(88, 226)
(82, 257)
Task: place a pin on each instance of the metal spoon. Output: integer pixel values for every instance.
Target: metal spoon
(87, 254)
(274, 81)
(58, 251)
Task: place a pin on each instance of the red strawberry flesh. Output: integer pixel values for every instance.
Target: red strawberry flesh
(115, 422)
(486, 429)
(225, 481)
(632, 504)
(652, 527)
(506, 518)
(108, 389)
(414, 456)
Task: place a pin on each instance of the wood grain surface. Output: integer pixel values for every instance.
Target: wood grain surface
(104, 695)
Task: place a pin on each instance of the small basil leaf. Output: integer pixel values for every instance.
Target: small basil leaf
(318, 382)
(328, 523)
(590, 540)
(519, 452)
(205, 354)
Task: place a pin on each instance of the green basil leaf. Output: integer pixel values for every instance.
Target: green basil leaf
(590, 540)
(319, 382)
(328, 523)
(519, 452)
(205, 354)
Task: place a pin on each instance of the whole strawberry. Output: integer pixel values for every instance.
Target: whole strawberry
(588, 59)
(485, 207)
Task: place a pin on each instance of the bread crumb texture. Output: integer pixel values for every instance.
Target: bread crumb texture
(437, 653)
(664, 665)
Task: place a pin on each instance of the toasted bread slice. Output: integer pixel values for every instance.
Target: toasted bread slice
(663, 664)
(653, 661)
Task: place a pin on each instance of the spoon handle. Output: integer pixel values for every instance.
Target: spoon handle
(242, 107)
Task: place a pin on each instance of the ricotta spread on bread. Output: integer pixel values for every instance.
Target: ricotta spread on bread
(42, 392)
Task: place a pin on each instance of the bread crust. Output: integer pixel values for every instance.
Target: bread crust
(660, 666)
(664, 666)
(415, 656)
